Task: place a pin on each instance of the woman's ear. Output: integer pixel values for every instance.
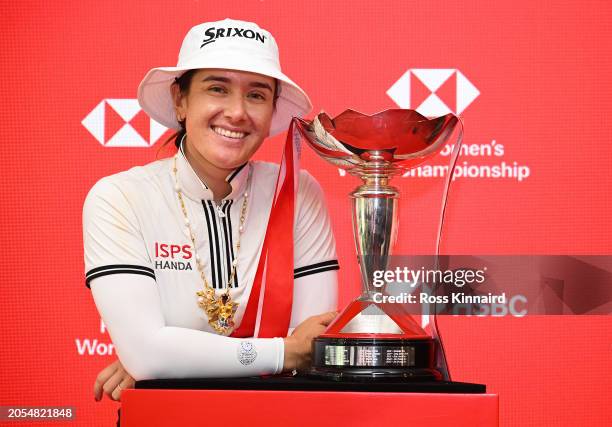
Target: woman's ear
(179, 102)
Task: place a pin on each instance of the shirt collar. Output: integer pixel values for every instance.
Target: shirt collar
(194, 188)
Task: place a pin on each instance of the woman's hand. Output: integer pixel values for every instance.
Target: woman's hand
(298, 346)
(111, 381)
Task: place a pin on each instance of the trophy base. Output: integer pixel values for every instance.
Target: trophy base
(373, 358)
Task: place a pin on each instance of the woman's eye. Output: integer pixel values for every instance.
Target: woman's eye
(257, 96)
(217, 89)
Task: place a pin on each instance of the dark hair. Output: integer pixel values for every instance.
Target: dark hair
(184, 83)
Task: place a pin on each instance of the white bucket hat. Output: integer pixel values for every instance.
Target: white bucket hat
(227, 44)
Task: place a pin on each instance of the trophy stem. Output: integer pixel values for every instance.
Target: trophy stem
(375, 224)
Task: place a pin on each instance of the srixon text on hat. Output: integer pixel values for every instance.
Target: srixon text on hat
(212, 34)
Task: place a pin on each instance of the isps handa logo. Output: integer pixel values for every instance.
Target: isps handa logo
(122, 123)
(433, 92)
(170, 256)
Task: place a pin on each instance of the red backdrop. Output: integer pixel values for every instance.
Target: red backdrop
(529, 77)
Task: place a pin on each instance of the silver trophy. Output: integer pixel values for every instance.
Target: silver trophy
(368, 339)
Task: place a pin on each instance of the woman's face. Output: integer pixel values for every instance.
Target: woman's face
(227, 116)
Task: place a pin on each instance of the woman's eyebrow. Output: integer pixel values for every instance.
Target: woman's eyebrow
(213, 78)
(261, 85)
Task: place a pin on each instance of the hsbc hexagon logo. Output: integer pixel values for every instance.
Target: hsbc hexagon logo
(433, 92)
(122, 123)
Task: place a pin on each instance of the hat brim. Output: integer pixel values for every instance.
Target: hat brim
(155, 98)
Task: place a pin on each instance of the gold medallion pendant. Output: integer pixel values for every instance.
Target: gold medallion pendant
(220, 310)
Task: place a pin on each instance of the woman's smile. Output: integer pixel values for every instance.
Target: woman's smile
(228, 133)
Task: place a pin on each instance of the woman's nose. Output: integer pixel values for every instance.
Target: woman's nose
(236, 109)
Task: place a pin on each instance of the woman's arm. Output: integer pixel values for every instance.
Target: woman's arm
(113, 379)
(312, 295)
(131, 309)
(316, 265)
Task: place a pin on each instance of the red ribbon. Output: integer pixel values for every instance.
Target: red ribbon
(275, 261)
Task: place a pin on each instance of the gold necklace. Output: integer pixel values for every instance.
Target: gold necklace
(219, 309)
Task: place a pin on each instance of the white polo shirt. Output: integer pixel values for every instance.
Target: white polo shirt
(134, 229)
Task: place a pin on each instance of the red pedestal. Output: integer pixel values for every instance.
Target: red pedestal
(305, 408)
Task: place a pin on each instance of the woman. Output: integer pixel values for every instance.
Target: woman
(172, 249)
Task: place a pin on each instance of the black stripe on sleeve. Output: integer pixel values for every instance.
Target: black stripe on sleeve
(316, 268)
(117, 269)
